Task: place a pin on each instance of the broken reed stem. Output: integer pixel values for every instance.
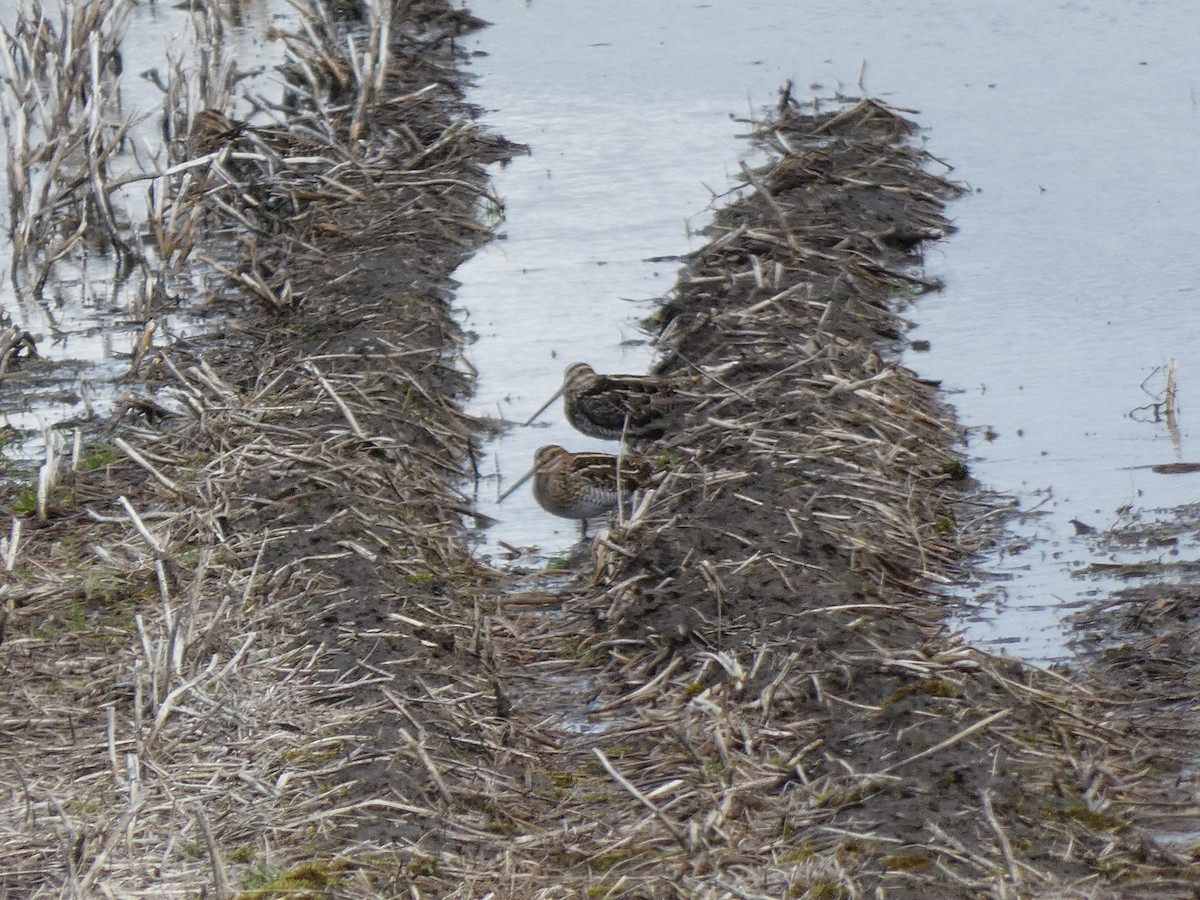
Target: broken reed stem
(221, 887)
(1014, 873)
(673, 827)
(950, 741)
(341, 404)
(142, 461)
(48, 473)
(147, 535)
(11, 546)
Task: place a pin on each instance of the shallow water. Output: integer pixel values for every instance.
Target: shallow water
(1069, 284)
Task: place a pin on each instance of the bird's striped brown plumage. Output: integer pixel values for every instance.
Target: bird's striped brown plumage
(612, 406)
(583, 485)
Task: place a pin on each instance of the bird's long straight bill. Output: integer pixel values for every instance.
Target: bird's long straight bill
(520, 481)
(541, 409)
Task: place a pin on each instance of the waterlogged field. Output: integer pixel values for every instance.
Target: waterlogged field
(99, 261)
(102, 269)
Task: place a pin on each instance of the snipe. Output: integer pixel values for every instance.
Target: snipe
(610, 406)
(210, 130)
(582, 485)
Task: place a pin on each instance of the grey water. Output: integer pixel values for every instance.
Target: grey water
(1070, 284)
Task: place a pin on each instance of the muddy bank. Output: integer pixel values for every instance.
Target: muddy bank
(252, 654)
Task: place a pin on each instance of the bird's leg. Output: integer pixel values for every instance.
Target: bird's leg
(621, 459)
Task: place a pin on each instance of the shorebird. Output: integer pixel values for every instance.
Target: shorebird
(211, 130)
(609, 406)
(582, 485)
